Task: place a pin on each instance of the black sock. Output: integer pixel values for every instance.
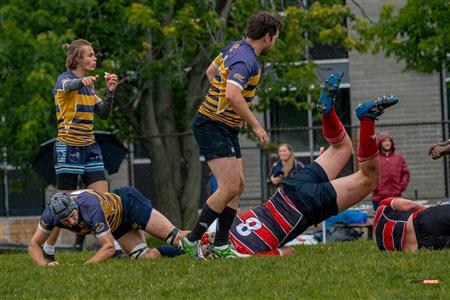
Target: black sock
(207, 216)
(226, 219)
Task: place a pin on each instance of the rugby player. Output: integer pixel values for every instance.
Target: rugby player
(313, 194)
(76, 153)
(123, 215)
(233, 75)
(405, 225)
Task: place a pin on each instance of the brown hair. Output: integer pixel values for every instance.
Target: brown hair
(74, 52)
(261, 24)
(290, 162)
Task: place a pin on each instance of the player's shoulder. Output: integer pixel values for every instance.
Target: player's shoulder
(240, 51)
(85, 197)
(66, 75)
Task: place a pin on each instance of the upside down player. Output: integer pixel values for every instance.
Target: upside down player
(123, 215)
(313, 194)
(405, 225)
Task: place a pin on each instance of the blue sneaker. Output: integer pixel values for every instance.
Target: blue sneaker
(375, 108)
(329, 91)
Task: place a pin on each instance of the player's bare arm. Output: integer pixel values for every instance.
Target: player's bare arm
(237, 102)
(438, 150)
(35, 251)
(211, 72)
(106, 251)
(403, 204)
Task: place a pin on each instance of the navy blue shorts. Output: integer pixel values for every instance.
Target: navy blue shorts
(136, 210)
(215, 139)
(311, 191)
(73, 161)
(432, 227)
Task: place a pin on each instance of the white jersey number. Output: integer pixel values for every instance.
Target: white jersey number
(245, 229)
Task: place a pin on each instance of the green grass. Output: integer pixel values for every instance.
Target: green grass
(352, 270)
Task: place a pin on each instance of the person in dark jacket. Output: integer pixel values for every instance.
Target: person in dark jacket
(285, 166)
(394, 171)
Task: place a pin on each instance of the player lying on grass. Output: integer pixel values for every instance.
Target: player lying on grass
(405, 225)
(314, 194)
(123, 215)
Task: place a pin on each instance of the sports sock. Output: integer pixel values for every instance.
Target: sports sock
(169, 251)
(117, 245)
(223, 226)
(333, 130)
(49, 249)
(368, 147)
(207, 216)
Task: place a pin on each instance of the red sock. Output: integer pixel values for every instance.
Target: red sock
(368, 147)
(333, 130)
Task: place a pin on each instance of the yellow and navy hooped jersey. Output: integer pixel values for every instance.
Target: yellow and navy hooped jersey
(98, 212)
(74, 112)
(236, 64)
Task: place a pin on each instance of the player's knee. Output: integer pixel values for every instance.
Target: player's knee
(370, 181)
(233, 189)
(150, 254)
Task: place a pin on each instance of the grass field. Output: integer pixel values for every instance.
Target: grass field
(352, 270)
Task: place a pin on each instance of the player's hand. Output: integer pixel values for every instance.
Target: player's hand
(276, 180)
(435, 152)
(262, 135)
(53, 264)
(111, 81)
(89, 81)
(402, 204)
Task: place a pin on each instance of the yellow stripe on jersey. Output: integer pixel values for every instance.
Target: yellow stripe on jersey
(75, 117)
(215, 106)
(111, 206)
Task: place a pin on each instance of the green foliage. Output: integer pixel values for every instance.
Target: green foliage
(417, 33)
(350, 270)
(143, 42)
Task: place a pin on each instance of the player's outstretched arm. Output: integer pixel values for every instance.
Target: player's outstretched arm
(34, 248)
(438, 150)
(403, 204)
(106, 251)
(211, 72)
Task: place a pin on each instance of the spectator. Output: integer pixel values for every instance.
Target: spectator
(394, 171)
(285, 166)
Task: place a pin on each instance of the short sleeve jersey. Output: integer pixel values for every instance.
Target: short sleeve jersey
(236, 64)
(99, 213)
(74, 112)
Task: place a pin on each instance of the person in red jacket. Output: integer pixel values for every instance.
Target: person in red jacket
(394, 171)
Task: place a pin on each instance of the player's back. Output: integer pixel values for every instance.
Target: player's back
(268, 226)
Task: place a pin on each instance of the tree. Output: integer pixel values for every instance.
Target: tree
(160, 49)
(417, 33)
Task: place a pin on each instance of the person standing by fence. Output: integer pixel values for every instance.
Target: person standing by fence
(394, 171)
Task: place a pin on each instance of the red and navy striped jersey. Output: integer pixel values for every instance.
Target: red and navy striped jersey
(389, 226)
(269, 226)
(74, 112)
(236, 64)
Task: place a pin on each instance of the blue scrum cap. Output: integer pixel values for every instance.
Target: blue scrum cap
(62, 205)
